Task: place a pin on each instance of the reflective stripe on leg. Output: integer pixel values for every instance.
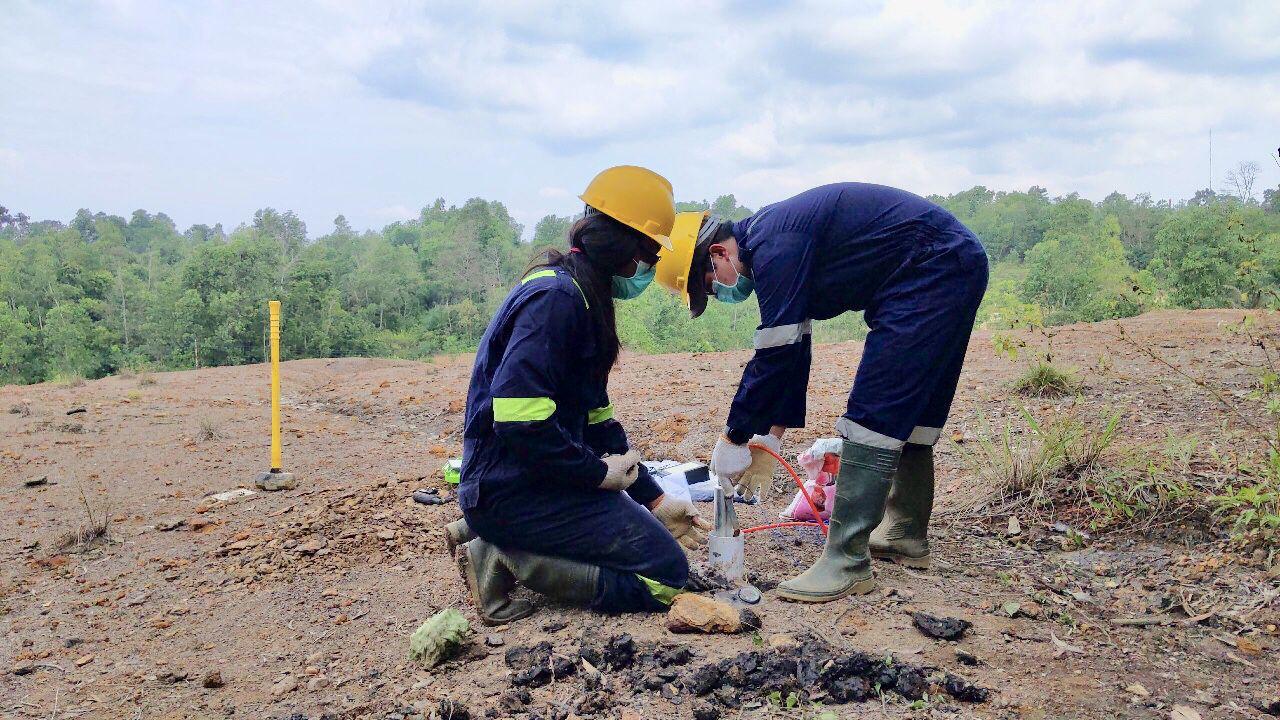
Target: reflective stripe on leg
(853, 432)
(924, 435)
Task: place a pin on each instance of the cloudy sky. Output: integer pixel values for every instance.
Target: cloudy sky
(372, 109)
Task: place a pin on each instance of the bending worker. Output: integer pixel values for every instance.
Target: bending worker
(919, 275)
(551, 493)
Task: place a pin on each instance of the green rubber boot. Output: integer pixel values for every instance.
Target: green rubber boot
(491, 574)
(903, 536)
(491, 581)
(845, 566)
(457, 533)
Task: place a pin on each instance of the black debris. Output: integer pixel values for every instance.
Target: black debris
(453, 710)
(538, 665)
(429, 496)
(940, 628)
(965, 691)
(706, 711)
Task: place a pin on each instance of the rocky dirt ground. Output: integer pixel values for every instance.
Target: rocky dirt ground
(299, 604)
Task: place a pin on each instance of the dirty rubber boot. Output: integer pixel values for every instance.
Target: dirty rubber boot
(457, 533)
(903, 536)
(845, 566)
(568, 581)
(490, 582)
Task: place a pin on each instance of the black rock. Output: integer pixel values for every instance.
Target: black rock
(671, 693)
(884, 674)
(940, 628)
(668, 655)
(1270, 708)
(594, 703)
(728, 697)
(706, 711)
(966, 658)
(453, 710)
(515, 700)
(704, 679)
(536, 665)
(849, 689)
(911, 684)
(619, 651)
(963, 690)
(854, 664)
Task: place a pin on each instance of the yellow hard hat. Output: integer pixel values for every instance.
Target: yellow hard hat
(676, 260)
(635, 196)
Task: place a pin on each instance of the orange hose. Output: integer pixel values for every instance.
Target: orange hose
(800, 484)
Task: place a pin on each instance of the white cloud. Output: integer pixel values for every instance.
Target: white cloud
(392, 213)
(210, 111)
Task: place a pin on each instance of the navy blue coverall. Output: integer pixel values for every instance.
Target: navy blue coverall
(536, 426)
(912, 266)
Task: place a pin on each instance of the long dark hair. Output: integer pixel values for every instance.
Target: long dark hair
(599, 247)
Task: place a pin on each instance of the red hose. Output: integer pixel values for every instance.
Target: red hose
(821, 525)
(794, 523)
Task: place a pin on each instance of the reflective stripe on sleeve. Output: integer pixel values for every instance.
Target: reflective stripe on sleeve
(924, 435)
(853, 432)
(782, 335)
(522, 409)
(664, 594)
(551, 273)
(536, 275)
(599, 415)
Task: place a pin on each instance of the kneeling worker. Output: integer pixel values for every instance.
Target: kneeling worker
(550, 486)
(919, 275)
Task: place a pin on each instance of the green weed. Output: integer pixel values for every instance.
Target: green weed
(1043, 379)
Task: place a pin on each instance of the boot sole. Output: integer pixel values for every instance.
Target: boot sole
(919, 563)
(862, 587)
(473, 586)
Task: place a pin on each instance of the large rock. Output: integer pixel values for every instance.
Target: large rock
(695, 613)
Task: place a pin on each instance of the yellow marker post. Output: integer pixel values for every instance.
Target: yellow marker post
(276, 464)
(275, 478)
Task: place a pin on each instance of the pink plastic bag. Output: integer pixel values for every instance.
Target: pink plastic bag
(820, 464)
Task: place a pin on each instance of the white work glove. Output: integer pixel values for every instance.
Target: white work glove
(623, 470)
(758, 479)
(729, 461)
(682, 520)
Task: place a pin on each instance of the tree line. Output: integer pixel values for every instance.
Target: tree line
(101, 293)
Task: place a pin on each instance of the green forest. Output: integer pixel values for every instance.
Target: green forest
(103, 294)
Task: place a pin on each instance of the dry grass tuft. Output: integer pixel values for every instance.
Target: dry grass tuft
(71, 380)
(1044, 379)
(1071, 468)
(95, 529)
(145, 378)
(207, 429)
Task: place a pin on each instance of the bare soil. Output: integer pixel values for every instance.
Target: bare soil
(302, 601)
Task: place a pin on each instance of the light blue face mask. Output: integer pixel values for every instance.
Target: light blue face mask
(626, 288)
(735, 293)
